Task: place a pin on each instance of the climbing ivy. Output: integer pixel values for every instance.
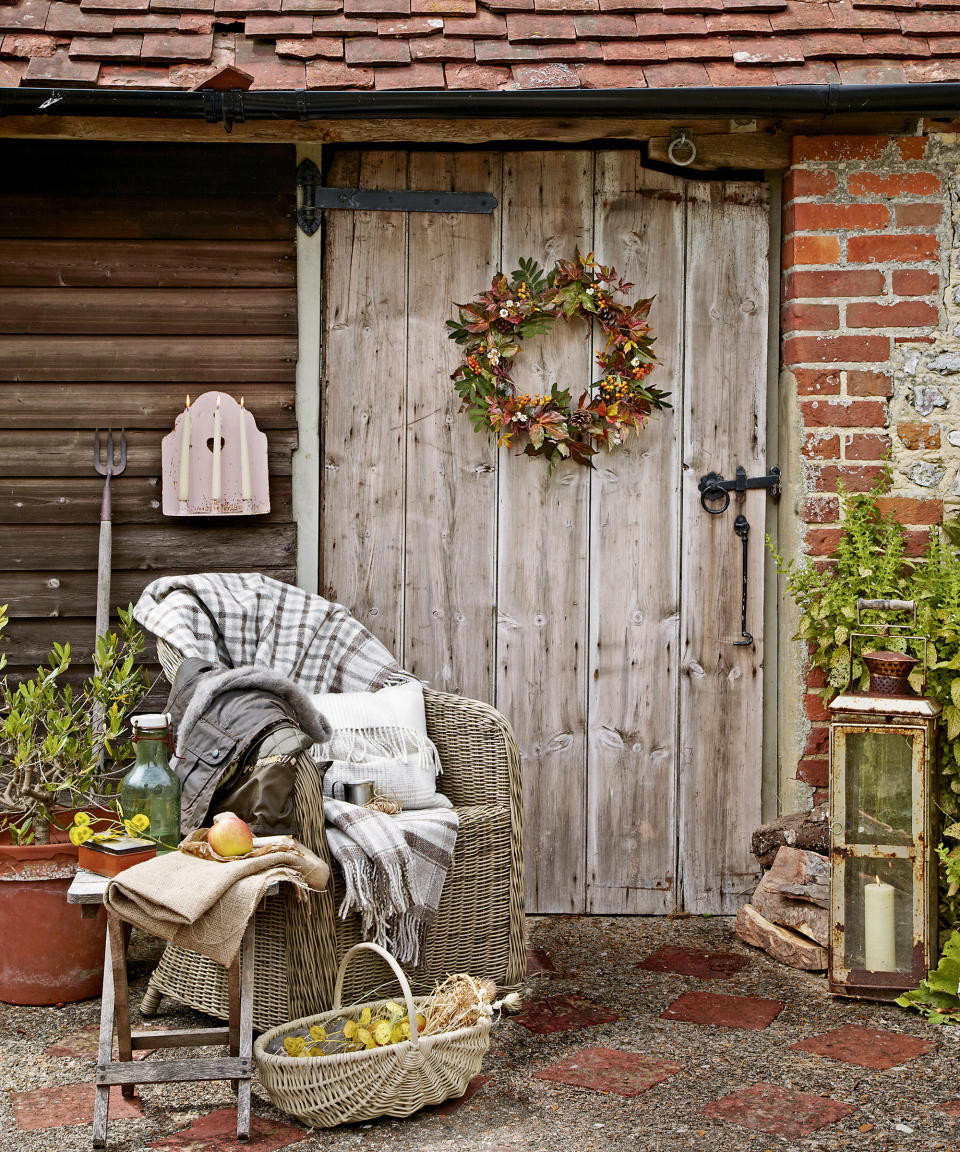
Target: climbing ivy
(870, 561)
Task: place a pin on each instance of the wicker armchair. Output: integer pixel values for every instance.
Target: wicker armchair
(479, 926)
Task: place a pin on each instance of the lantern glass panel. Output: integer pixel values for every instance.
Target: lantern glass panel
(878, 920)
(879, 787)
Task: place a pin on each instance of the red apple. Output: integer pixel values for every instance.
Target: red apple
(230, 836)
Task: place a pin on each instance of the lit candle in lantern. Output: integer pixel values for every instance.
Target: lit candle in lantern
(183, 489)
(215, 482)
(879, 928)
(244, 456)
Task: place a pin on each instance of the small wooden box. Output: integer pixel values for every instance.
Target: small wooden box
(112, 857)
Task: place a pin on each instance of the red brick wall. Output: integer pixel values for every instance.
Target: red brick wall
(864, 230)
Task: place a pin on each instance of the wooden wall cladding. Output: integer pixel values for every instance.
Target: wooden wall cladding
(131, 275)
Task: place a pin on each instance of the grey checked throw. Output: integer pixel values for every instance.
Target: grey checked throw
(393, 868)
(240, 618)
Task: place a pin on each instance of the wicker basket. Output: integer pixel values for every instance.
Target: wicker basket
(394, 1080)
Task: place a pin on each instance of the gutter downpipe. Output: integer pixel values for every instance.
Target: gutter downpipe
(663, 103)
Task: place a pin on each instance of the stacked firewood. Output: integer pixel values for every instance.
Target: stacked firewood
(788, 916)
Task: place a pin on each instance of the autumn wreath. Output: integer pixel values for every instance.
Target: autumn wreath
(527, 303)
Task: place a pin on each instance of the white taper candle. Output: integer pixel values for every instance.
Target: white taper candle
(215, 482)
(245, 492)
(183, 489)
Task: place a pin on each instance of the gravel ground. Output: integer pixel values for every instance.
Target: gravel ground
(596, 957)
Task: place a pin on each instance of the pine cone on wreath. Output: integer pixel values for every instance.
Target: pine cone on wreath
(503, 326)
(580, 419)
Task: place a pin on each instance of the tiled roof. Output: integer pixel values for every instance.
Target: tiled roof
(477, 44)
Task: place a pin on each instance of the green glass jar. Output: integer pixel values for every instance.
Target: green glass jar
(151, 787)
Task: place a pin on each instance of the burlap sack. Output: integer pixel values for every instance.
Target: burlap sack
(205, 904)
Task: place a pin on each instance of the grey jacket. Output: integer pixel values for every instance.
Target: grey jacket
(228, 719)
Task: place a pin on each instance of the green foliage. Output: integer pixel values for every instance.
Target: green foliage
(938, 997)
(57, 741)
(870, 562)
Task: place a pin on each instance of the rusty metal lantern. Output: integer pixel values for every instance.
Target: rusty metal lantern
(883, 874)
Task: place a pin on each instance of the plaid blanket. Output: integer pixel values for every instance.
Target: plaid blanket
(397, 897)
(240, 618)
(394, 867)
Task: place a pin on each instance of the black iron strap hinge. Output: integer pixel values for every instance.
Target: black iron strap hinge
(316, 198)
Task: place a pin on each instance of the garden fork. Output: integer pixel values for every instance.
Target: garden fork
(106, 465)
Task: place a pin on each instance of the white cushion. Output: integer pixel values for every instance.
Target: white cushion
(382, 736)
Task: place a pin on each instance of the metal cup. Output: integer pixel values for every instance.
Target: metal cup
(358, 792)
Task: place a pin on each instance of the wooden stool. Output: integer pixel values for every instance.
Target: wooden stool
(88, 888)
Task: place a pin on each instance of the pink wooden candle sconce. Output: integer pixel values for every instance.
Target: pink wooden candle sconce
(215, 461)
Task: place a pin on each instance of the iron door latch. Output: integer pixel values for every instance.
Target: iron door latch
(713, 487)
(715, 499)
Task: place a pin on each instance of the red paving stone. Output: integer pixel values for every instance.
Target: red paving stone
(67, 1105)
(449, 1107)
(610, 1070)
(778, 1111)
(751, 1012)
(693, 962)
(868, 1047)
(83, 1045)
(538, 961)
(562, 1013)
(217, 1132)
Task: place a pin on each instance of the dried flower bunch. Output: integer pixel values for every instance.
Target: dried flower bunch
(459, 1001)
(527, 303)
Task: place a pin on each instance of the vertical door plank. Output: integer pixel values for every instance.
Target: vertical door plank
(450, 622)
(724, 425)
(364, 403)
(542, 557)
(634, 570)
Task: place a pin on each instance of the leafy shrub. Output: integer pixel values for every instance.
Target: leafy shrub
(871, 562)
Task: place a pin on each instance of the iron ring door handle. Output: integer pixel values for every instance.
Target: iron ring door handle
(713, 491)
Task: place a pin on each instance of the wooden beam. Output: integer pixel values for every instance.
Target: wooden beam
(756, 150)
(560, 130)
(457, 131)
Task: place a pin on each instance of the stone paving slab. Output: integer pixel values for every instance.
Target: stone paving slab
(449, 1107)
(84, 1045)
(868, 1047)
(694, 962)
(563, 1013)
(610, 1070)
(538, 961)
(716, 1009)
(778, 1111)
(66, 1105)
(217, 1132)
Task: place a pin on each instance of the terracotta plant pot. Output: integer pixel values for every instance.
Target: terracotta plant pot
(50, 953)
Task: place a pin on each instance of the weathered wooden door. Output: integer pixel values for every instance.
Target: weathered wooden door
(597, 609)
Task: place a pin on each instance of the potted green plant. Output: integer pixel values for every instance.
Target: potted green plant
(60, 745)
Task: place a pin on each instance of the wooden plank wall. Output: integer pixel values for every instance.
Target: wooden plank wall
(131, 275)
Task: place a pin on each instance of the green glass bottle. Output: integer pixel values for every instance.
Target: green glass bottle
(151, 787)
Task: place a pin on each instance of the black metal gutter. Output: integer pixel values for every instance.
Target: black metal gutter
(663, 103)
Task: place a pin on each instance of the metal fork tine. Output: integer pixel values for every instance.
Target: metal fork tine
(97, 462)
(106, 463)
